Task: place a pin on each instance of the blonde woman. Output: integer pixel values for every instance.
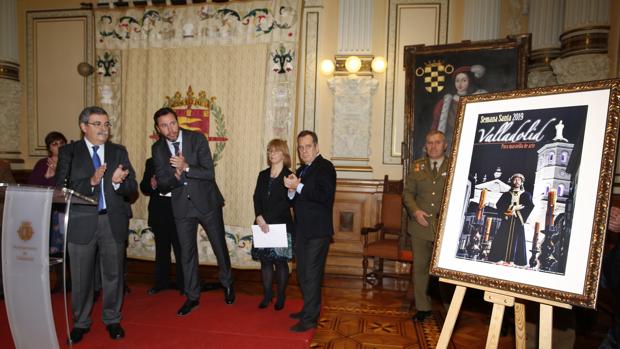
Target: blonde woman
(271, 206)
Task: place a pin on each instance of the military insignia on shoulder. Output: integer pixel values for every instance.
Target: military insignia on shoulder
(418, 166)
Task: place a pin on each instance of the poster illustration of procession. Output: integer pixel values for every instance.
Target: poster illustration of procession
(522, 180)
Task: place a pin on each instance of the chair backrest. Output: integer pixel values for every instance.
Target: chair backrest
(391, 212)
(391, 208)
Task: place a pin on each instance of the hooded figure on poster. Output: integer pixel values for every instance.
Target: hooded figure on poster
(521, 220)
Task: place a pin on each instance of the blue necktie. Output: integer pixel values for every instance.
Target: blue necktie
(97, 164)
(177, 148)
(303, 170)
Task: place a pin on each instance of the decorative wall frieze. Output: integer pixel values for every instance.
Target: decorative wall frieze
(541, 78)
(579, 68)
(352, 116)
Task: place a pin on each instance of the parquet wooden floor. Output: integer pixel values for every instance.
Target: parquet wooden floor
(380, 317)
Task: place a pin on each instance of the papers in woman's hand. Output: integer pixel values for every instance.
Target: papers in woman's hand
(276, 237)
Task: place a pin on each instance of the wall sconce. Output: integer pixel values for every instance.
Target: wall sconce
(354, 65)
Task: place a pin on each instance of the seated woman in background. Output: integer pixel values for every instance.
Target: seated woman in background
(43, 174)
(272, 206)
(45, 169)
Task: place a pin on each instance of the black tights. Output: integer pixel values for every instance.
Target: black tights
(281, 271)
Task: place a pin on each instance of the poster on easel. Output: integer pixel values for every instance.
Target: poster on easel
(526, 201)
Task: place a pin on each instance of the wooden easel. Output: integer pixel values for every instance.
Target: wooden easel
(501, 299)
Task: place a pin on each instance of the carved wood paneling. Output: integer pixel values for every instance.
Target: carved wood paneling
(362, 199)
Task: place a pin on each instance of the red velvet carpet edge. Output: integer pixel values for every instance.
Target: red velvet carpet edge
(151, 322)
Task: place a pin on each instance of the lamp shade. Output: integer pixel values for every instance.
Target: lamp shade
(378, 64)
(327, 67)
(353, 64)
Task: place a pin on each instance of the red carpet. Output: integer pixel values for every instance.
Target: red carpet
(151, 322)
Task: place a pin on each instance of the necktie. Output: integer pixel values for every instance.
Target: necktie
(177, 148)
(303, 170)
(97, 164)
(434, 168)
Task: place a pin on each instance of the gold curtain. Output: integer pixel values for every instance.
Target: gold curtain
(235, 76)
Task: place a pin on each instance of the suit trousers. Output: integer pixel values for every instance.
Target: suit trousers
(187, 227)
(422, 253)
(166, 237)
(310, 256)
(111, 254)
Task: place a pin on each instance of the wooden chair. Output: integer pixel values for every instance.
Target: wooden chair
(382, 242)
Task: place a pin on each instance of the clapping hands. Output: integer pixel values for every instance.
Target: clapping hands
(291, 182)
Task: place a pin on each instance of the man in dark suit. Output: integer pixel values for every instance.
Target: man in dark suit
(312, 189)
(184, 166)
(100, 169)
(161, 222)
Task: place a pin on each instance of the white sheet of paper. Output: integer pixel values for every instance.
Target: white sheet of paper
(276, 237)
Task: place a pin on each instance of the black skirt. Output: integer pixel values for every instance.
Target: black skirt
(274, 254)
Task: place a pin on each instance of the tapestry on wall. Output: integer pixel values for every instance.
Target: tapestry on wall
(228, 70)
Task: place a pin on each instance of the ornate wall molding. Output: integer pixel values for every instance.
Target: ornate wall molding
(9, 70)
(34, 58)
(310, 42)
(352, 116)
(394, 119)
(541, 79)
(581, 68)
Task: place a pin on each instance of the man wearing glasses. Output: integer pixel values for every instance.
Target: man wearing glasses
(312, 190)
(99, 169)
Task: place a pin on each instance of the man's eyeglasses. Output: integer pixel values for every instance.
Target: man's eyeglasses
(99, 124)
(58, 143)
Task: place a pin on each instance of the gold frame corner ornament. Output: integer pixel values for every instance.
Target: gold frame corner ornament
(593, 259)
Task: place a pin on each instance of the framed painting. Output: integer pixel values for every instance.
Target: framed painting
(527, 196)
(437, 76)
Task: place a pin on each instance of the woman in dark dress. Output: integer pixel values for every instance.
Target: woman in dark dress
(43, 174)
(271, 206)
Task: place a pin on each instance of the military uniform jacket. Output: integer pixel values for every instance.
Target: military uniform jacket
(423, 191)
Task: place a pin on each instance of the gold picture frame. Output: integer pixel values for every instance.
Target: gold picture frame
(431, 73)
(561, 142)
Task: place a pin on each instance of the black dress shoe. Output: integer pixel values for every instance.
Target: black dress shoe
(302, 327)
(264, 303)
(155, 289)
(187, 307)
(279, 304)
(420, 316)
(116, 331)
(229, 295)
(77, 334)
(296, 316)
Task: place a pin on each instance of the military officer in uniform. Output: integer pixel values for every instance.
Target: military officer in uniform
(422, 198)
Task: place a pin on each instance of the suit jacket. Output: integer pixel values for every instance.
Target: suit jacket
(424, 191)
(314, 206)
(74, 169)
(160, 207)
(198, 185)
(273, 205)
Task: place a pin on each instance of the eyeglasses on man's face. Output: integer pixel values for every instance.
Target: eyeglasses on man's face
(99, 124)
(58, 143)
